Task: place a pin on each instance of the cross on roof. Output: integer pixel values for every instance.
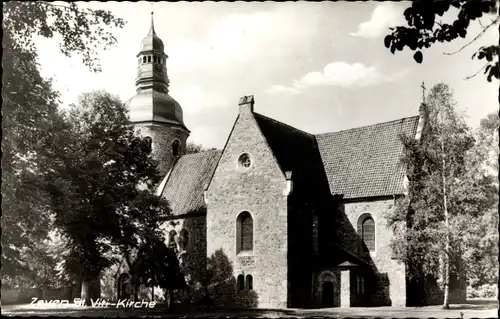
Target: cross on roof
(423, 91)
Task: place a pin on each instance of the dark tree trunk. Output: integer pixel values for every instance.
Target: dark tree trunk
(91, 290)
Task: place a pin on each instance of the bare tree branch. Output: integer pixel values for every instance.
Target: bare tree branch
(476, 37)
(471, 76)
(480, 23)
(86, 11)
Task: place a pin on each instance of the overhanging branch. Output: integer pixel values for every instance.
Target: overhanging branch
(476, 37)
(471, 76)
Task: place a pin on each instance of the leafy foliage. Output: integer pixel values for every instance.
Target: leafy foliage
(29, 117)
(81, 30)
(157, 266)
(193, 148)
(101, 186)
(31, 121)
(424, 30)
(419, 220)
(487, 142)
(484, 291)
(485, 157)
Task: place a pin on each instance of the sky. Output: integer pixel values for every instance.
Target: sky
(318, 66)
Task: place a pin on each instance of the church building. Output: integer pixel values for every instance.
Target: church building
(291, 219)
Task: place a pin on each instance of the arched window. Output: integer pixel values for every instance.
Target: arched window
(315, 228)
(366, 228)
(172, 240)
(161, 60)
(240, 282)
(244, 232)
(176, 146)
(249, 282)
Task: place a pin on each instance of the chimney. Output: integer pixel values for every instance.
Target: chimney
(289, 183)
(246, 104)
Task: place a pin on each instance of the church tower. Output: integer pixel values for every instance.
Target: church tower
(153, 112)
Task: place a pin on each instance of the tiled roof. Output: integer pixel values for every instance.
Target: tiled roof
(187, 180)
(294, 150)
(365, 161)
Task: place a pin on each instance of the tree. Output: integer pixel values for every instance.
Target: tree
(487, 142)
(26, 117)
(193, 148)
(424, 30)
(31, 119)
(446, 194)
(101, 188)
(484, 158)
(156, 265)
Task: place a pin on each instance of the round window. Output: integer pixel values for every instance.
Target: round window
(244, 161)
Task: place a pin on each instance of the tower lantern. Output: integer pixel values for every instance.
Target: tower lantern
(152, 111)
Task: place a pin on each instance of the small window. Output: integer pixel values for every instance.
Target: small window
(160, 60)
(176, 148)
(149, 58)
(245, 161)
(143, 59)
(240, 282)
(249, 282)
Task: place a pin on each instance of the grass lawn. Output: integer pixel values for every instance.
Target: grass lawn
(472, 309)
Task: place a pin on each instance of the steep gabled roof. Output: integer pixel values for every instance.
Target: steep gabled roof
(285, 141)
(294, 150)
(187, 180)
(365, 161)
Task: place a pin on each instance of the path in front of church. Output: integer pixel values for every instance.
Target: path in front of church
(473, 309)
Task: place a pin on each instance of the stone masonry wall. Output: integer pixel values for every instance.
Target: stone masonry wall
(260, 191)
(163, 136)
(391, 281)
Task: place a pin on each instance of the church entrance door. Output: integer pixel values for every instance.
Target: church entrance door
(327, 295)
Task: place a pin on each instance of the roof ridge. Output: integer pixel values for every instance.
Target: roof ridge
(284, 124)
(370, 125)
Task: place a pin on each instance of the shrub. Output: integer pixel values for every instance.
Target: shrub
(484, 291)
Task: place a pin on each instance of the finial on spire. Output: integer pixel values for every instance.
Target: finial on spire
(152, 22)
